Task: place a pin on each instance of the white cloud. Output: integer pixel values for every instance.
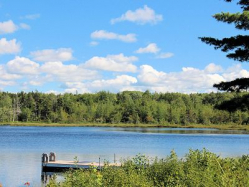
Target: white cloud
(165, 55)
(94, 43)
(39, 80)
(119, 81)
(24, 26)
(141, 16)
(22, 65)
(7, 76)
(213, 68)
(67, 73)
(235, 72)
(62, 54)
(79, 87)
(189, 80)
(6, 83)
(113, 85)
(9, 47)
(7, 27)
(151, 48)
(118, 63)
(7, 79)
(52, 92)
(102, 34)
(31, 16)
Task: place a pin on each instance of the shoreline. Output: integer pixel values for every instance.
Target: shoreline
(124, 125)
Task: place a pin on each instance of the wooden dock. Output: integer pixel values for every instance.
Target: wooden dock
(62, 165)
(50, 164)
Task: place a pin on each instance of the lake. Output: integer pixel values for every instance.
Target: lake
(21, 147)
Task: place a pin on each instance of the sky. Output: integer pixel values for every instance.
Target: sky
(79, 46)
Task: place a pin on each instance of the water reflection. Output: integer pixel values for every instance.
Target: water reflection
(178, 130)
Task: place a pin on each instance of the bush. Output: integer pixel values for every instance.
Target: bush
(197, 168)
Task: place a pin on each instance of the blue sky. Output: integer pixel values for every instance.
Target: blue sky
(89, 46)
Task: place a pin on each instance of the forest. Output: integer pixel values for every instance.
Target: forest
(128, 107)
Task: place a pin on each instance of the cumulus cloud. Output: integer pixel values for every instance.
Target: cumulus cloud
(234, 72)
(151, 48)
(118, 63)
(67, 73)
(22, 65)
(9, 47)
(73, 87)
(102, 34)
(189, 80)
(213, 68)
(113, 85)
(119, 81)
(164, 55)
(141, 16)
(7, 27)
(8, 76)
(62, 54)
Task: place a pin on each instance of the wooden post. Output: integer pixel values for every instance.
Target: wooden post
(99, 163)
(52, 157)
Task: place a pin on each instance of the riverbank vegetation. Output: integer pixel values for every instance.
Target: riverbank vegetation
(197, 168)
(125, 108)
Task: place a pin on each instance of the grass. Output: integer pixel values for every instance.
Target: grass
(43, 124)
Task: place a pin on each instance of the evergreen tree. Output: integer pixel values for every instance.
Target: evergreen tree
(236, 85)
(237, 47)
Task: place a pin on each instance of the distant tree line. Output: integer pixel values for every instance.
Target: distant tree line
(126, 107)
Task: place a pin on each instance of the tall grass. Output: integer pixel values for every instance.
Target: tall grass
(198, 168)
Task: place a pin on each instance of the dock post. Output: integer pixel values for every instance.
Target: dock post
(52, 157)
(44, 159)
(99, 163)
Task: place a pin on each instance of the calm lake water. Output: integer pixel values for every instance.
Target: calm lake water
(21, 147)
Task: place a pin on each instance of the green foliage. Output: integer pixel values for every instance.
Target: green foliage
(237, 46)
(126, 107)
(198, 168)
(237, 85)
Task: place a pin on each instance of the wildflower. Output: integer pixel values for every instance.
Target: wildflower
(27, 184)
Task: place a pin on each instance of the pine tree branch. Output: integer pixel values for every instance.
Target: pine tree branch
(239, 45)
(241, 20)
(244, 4)
(237, 85)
